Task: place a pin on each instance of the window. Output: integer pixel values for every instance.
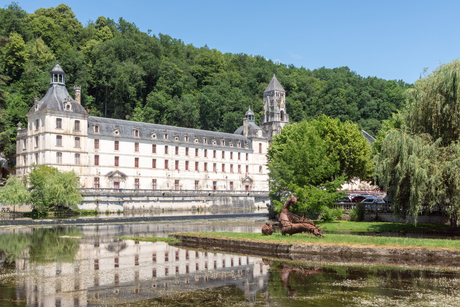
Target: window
(154, 184)
(246, 187)
(58, 123)
(196, 184)
(36, 141)
(260, 147)
(223, 168)
(77, 125)
(239, 156)
(231, 185)
(96, 182)
(247, 169)
(196, 166)
(77, 159)
(96, 129)
(117, 145)
(136, 133)
(24, 144)
(96, 144)
(196, 152)
(154, 163)
(166, 149)
(176, 184)
(260, 169)
(214, 185)
(186, 151)
(231, 168)
(77, 142)
(136, 162)
(136, 147)
(247, 156)
(214, 153)
(205, 166)
(214, 167)
(205, 153)
(36, 158)
(36, 124)
(117, 161)
(231, 155)
(239, 168)
(136, 183)
(186, 138)
(223, 154)
(177, 150)
(186, 165)
(205, 141)
(239, 144)
(176, 164)
(154, 148)
(58, 140)
(166, 136)
(96, 160)
(166, 164)
(58, 158)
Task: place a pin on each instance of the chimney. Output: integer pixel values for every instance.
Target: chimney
(77, 93)
(245, 127)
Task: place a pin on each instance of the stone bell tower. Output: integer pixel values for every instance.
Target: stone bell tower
(275, 116)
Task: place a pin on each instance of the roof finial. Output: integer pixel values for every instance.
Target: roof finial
(57, 61)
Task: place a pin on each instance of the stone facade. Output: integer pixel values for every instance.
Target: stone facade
(119, 154)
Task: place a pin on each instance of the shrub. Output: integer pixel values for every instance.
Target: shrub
(327, 215)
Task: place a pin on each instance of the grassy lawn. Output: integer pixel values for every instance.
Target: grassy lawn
(151, 239)
(347, 226)
(334, 239)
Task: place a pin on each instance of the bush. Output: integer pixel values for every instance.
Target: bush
(338, 213)
(357, 214)
(327, 215)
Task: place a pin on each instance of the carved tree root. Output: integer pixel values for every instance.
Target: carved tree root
(267, 229)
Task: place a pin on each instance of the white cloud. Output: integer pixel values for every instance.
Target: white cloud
(294, 55)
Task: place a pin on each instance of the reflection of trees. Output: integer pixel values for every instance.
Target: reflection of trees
(116, 246)
(44, 245)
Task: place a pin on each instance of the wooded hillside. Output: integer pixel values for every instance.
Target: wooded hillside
(128, 74)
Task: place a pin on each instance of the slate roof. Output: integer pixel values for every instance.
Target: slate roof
(252, 130)
(274, 85)
(58, 69)
(125, 128)
(55, 99)
(368, 137)
(249, 112)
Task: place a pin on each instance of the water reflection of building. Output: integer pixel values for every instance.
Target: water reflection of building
(116, 271)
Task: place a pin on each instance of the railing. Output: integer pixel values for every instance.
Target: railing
(179, 193)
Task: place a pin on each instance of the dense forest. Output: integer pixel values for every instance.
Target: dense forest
(128, 74)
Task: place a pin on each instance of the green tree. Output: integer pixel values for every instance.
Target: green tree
(15, 56)
(14, 193)
(419, 159)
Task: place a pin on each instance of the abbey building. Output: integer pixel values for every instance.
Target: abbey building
(119, 154)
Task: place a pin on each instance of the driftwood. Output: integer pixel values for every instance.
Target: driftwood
(267, 229)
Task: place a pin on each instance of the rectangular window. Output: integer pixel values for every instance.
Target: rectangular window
(58, 140)
(214, 185)
(214, 154)
(96, 182)
(176, 164)
(77, 142)
(136, 183)
(36, 124)
(176, 184)
(177, 150)
(154, 163)
(77, 125)
(186, 151)
(58, 158)
(247, 169)
(205, 141)
(196, 152)
(231, 185)
(136, 162)
(96, 160)
(239, 168)
(96, 129)
(260, 147)
(223, 154)
(154, 184)
(239, 156)
(136, 147)
(166, 149)
(36, 158)
(214, 167)
(166, 136)
(117, 145)
(24, 144)
(154, 148)
(247, 156)
(196, 184)
(205, 153)
(96, 144)
(166, 164)
(117, 161)
(196, 166)
(36, 141)
(205, 166)
(58, 123)
(231, 155)
(186, 165)
(223, 168)
(77, 159)
(231, 168)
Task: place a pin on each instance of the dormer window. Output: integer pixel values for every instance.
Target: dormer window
(176, 138)
(136, 133)
(205, 141)
(58, 123)
(166, 136)
(67, 107)
(96, 129)
(239, 144)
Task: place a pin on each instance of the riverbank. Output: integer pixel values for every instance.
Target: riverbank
(349, 248)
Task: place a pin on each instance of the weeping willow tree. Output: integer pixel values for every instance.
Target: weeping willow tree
(419, 162)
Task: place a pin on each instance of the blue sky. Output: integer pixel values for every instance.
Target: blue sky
(387, 39)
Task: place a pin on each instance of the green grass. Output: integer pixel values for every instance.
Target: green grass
(347, 226)
(334, 239)
(151, 239)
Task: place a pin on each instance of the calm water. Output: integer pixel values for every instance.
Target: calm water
(88, 266)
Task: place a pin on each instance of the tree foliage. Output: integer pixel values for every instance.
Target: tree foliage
(312, 159)
(418, 160)
(14, 193)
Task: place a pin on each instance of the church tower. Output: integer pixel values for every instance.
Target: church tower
(275, 116)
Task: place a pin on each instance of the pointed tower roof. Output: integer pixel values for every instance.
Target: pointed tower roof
(57, 69)
(249, 112)
(274, 85)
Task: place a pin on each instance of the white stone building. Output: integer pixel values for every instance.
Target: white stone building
(120, 154)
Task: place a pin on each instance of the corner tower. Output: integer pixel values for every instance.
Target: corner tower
(275, 116)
